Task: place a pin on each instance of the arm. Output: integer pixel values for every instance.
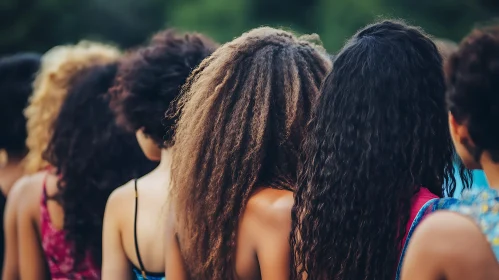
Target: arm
(115, 264)
(32, 263)
(11, 265)
(449, 246)
(175, 267)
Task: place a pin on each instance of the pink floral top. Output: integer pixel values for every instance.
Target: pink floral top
(57, 251)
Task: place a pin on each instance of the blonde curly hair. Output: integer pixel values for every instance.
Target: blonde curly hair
(59, 66)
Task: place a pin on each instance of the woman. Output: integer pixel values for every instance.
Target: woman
(235, 156)
(463, 243)
(377, 149)
(91, 157)
(58, 66)
(17, 73)
(149, 81)
(446, 49)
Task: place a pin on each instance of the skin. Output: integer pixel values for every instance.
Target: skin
(10, 173)
(262, 249)
(449, 245)
(118, 234)
(25, 260)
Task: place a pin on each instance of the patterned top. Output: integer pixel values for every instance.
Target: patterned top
(57, 251)
(482, 205)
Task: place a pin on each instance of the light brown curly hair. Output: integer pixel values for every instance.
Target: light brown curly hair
(243, 114)
(59, 66)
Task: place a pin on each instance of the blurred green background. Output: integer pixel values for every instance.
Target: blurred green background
(37, 25)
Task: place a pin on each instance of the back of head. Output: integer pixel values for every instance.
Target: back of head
(150, 79)
(92, 156)
(473, 88)
(17, 73)
(59, 66)
(244, 109)
(378, 133)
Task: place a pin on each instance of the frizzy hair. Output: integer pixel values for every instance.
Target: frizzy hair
(473, 88)
(92, 157)
(244, 110)
(58, 66)
(150, 79)
(378, 133)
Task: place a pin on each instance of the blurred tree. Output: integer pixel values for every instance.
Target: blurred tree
(40, 24)
(221, 19)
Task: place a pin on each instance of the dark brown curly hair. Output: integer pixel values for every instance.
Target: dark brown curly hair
(244, 110)
(151, 77)
(92, 156)
(473, 88)
(378, 134)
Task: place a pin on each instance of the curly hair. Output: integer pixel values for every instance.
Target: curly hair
(92, 156)
(473, 88)
(378, 133)
(244, 110)
(58, 67)
(150, 79)
(17, 73)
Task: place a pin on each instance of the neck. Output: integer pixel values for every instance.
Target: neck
(491, 170)
(166, 159)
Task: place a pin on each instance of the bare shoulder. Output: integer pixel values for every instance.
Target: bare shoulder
(455, 245)
(119, 198)
(27, 188)
(271, 208)
(23, 201)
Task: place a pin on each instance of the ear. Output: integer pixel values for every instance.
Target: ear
(453, 125)
(459, 130)
(141, 132)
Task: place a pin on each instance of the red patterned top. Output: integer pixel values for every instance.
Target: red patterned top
(57, 251)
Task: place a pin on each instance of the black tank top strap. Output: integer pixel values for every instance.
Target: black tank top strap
(142, 268)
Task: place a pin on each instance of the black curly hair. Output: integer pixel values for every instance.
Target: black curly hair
(378, 133)
(473, 89)
(17, 73)
(151, 77)
(92, 156)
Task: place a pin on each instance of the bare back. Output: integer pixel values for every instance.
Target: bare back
(140, 219)
(262, 250)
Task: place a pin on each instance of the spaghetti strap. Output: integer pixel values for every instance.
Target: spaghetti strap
(137, 252)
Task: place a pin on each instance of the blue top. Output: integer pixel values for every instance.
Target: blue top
(479, 181)
(429, 207)
(479, 204)
(482, 206)
(147, 275)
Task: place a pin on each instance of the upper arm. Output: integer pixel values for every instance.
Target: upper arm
(272, 243)
(449, 246)
(174, 262)
(11, 265)
(115, 264)
(32, 263)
